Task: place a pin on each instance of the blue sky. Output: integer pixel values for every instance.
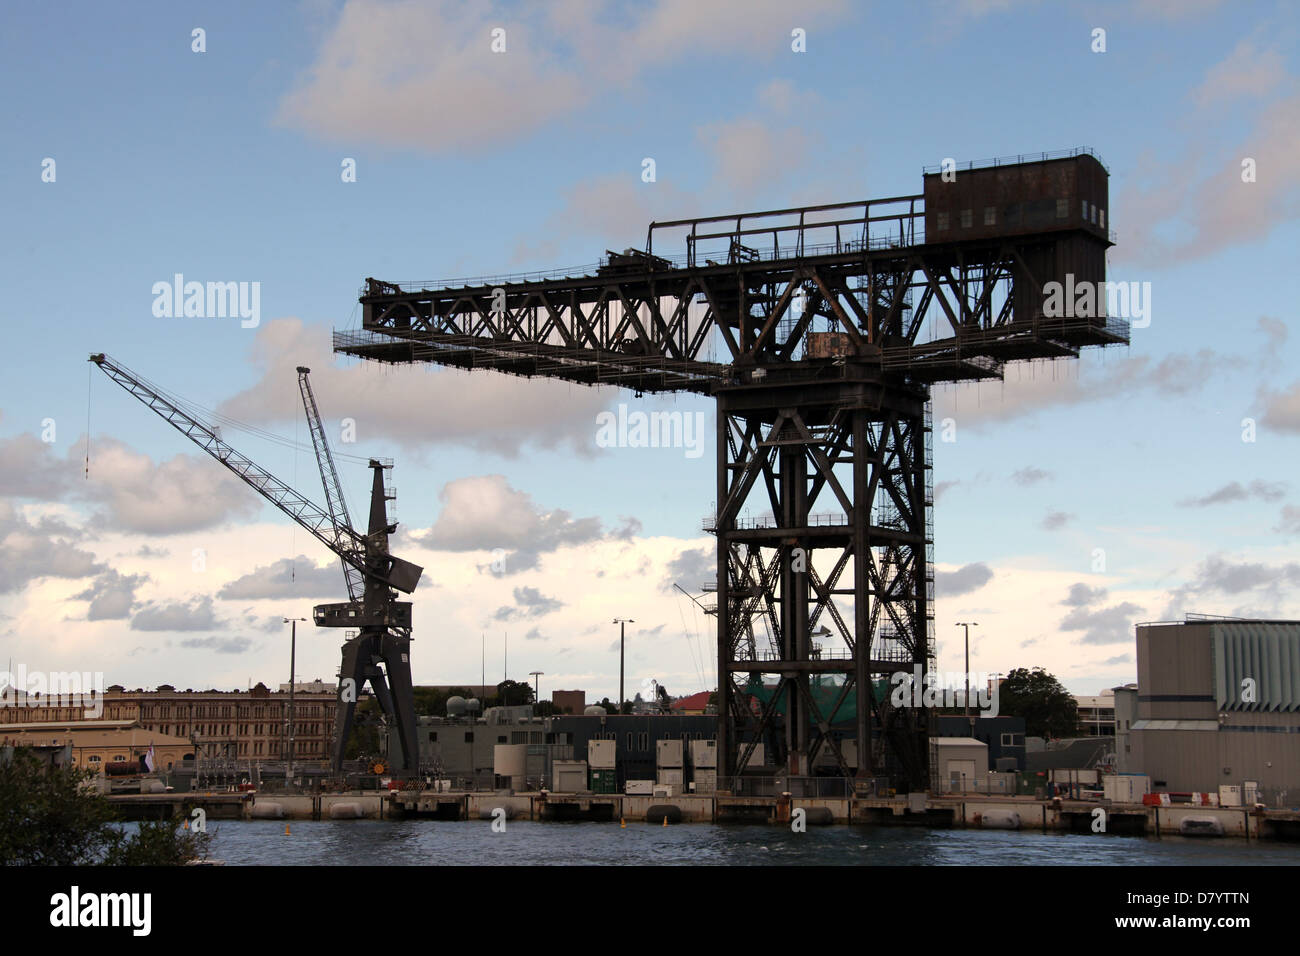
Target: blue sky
(225, 165)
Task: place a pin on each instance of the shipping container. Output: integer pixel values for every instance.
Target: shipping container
(601, 754)
(669, 775)
(639, 788)
(569, 776)
(706, 781)
(704, 754)
(603, 780)
(668, 753)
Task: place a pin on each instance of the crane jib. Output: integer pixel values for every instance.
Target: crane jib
(327, 528)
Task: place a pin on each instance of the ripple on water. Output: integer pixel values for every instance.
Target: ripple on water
(437, 843)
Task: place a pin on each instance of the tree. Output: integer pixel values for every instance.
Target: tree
(1038, 697)
(49, 816)
(513, 693)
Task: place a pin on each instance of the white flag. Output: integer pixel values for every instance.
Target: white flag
(148, 759)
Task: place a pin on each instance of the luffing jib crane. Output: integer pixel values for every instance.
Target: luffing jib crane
(380, 651)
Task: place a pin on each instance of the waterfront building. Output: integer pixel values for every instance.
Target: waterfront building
(1218, 705)
(248, 725)
(94, 744)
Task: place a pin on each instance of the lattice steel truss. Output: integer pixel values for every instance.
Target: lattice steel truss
(833, 323)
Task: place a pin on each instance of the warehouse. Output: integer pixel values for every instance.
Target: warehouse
(1219, 706)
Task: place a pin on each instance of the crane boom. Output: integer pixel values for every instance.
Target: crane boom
(329, 476)
(339, 537)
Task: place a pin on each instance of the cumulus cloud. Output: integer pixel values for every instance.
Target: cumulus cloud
(1111, 625)
(182, 493)
(30, 551)
(193, 615)
(485, 513)
(529, 603)
(111, 595)
(29, 468)
(1257, 589)
(286, 578)
(501, 413)
(1082, 596)
(424, 75)
(964, 580)
(692, 567)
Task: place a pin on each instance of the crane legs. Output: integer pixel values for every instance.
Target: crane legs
(362, 656)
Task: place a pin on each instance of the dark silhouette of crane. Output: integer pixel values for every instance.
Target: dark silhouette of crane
(831, 324)
(379, 654)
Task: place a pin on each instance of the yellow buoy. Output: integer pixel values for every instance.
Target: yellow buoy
(622, 823)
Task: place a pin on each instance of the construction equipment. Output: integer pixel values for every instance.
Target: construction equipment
(832, 322)
(373, 575)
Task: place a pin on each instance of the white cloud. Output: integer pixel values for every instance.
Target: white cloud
(423, 75)
(414, 405)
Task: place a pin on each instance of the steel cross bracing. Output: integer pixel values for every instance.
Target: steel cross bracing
(832, 324)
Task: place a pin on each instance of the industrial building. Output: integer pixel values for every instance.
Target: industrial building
(1218, 705)
(249, 726)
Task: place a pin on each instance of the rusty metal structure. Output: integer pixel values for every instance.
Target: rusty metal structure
(819, 331)
(377, 652)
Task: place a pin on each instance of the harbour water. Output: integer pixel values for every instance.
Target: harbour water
(436, 843)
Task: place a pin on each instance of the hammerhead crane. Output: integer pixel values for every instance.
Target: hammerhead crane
(373, 575)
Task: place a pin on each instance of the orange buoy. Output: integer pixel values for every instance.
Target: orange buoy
(622, 824)
(665, 819)
(286, 829)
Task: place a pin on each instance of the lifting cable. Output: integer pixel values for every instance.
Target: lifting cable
(89, 381)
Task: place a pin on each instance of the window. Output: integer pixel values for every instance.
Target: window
(94, 758)
(1084, 202)
(1062, 208)
(469, 736)
(967, 218)
(645, 741)
(990, 215)
(1094, 213)
(941, 222)
(433, 736)
(501, 739)
(1101, 216)
(629, 740)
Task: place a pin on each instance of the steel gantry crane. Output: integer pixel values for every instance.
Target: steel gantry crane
(834, 322)
(379, 654)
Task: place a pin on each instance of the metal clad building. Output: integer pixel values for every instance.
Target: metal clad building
(1219, 704)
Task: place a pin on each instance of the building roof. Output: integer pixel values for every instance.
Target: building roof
(94, 733)
(693, 702)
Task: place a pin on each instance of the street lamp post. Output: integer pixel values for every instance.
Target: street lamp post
(968, 626)
(622, 623)
(537, 694)
(293, 652)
